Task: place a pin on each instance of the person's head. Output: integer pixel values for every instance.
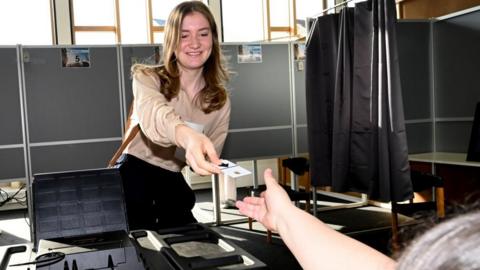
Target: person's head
(191, 42)
(453, 244)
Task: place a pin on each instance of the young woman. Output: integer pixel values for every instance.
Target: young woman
(179, 105)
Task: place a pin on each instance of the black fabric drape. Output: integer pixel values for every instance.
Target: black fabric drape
(364, 148)
(320, 68)
(343, 101)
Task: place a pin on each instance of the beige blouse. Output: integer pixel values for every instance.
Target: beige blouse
(158, 118)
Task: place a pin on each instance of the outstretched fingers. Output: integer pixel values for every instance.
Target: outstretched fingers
(253, 207)
(254, 200)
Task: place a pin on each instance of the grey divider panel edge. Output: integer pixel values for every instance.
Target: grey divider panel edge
(260, 92)
(55, 158)
(10, 110)
(12, 164)
(299, 90)
(419, 137)
(457, 57)
(132, 54)
(453, 136)
(414, 57)
(72, 103)
(302, 140)
(300, 100)
(414, 49)
(249, 145)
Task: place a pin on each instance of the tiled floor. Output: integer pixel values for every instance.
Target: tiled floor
(15, 227)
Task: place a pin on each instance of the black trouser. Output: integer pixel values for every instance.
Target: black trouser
(155, 198)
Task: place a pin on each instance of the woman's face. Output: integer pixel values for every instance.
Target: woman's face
(195, 42)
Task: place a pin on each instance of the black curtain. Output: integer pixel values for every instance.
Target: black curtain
(320, 64)
(356, 129)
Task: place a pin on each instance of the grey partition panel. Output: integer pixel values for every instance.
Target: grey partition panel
(148, 54)
(299, 89)
(419, 137)
(413, 39)
(10, 110)
(260, 92)
(68, 157)
(453, 136)
(258, 144)
(72, 103)
(302, 140)
(457, 58)
(300, 97)
(12, 163)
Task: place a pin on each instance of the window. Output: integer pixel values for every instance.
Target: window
(98, 21)
(242, 20)
(280, 19)
(307, 9)
(95, 21)
(27, 26)
(133, 19)
(258, 20)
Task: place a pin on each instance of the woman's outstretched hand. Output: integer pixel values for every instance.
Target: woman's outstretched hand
(200, 153)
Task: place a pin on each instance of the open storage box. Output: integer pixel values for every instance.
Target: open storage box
(80, 217)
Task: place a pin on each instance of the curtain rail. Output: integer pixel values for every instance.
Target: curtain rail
(330, 8)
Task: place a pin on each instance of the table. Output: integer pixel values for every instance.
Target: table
(461, 177)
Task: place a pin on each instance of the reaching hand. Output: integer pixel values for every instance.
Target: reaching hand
(314, 244)
(269, 208)
(198, 148)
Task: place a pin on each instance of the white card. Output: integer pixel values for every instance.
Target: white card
(233, 170)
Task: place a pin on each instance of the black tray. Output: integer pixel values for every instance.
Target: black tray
(192, 247)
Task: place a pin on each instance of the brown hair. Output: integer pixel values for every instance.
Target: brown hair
(214, 95)
(452, 244)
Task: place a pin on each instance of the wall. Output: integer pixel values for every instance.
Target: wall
(422, 9)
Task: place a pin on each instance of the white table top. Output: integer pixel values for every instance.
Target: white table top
(444, 158)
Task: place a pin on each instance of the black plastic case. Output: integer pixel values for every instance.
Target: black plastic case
(192, 247)
(81, 216)
(77, 203)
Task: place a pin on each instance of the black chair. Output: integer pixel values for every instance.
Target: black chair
(299, 166)
(420, 182)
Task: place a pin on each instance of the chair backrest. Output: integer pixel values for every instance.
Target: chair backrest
(422, 181)
(298, 165)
